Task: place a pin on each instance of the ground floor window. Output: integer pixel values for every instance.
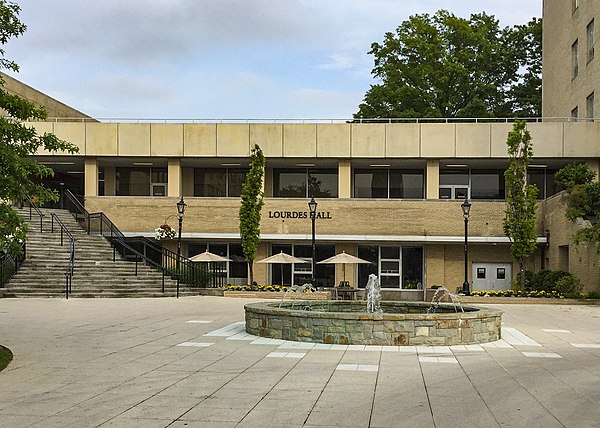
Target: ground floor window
(396, 266)
(301, 273)
(235, 271)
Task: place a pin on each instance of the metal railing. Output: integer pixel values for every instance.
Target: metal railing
(141, 249)
(9, 265)
(322, 120)
(34, 208)
(71, 265)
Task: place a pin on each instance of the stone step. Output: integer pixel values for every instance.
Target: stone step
(95, 272)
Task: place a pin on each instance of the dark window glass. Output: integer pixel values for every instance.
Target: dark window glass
(133, 181)
(452, 177)
(390, 253)
(500, 273)
(210, 182)
(292, 183)
(281, 272)
(445, 193)
(552, 188)
(159, 175)
(487, 185)
(370, 183)
(480, 273)
(370, 253)
(289, 183)
(406, 184)
(322, 184)
(236, 181)
(238, 268)
(537, 179)
(412, 267)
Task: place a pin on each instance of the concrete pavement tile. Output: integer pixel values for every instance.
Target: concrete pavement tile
(291, 418)
(65, 422)
(203, 412)
(453, 411)
(202, 424)
(357, 418)
(144, 411)
(19, 420)
(125, 422)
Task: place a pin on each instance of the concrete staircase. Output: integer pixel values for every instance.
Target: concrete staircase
(95, 274)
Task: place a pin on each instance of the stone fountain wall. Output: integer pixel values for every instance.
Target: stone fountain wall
(344, 324)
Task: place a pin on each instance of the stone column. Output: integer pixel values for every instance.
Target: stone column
(432, 179)
(174, 177)
(90, 170)
(344, 178)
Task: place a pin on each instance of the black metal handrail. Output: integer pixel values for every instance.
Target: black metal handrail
(71, 264)
(10, 264)
(34, 207)
(140, 249)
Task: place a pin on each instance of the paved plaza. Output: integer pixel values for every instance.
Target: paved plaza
(189, 363)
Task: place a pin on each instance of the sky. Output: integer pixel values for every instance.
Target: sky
(217, 59)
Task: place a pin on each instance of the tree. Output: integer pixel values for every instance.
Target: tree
(583, 201)
(20, 174)
(519, 219)
(445, 66)
(252, 203)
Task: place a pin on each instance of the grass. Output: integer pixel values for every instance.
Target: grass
(5, 357)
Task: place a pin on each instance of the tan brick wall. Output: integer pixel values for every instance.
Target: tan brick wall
(583, 261)
(347, 217)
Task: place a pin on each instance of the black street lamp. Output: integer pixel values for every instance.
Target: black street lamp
(312, 206)
(180, 210)
(466, 207)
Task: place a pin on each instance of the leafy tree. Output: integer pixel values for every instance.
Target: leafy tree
(20, 174)
(519, 219)
(583, 200)
(444, 66)
(252, 203)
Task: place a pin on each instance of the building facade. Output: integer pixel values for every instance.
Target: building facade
(570, 72)
(390, 193)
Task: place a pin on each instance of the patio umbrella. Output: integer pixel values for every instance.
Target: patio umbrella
(344, 259)
(282, 259)
(209, 257)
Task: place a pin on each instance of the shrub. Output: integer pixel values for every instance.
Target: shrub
(568, 284)
(593, 295)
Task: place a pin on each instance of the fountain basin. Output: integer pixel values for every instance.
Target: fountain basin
(347, 323)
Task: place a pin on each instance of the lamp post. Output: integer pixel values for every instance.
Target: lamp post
(180, 210)
(312, 207)
(466, 208)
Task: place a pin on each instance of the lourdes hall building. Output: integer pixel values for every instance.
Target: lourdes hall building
(389, 193)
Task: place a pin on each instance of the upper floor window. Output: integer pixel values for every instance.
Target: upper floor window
(141, 181)
(218, 182)
(543, 179)
(574, 5)
(305, 183)
(475, 184)
(589, 107)
(575, 59)
(388, 183)
(590, 40)
(575, 114)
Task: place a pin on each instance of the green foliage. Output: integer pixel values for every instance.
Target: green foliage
(251, 206)
(20, 174)
(574, 174)
(519, 220)
(5, 357)
(444, 66)
(553, 281)
(583, 200)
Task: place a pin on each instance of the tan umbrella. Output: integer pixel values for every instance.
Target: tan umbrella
(344, 259)
(208, 257)
(282, 259)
